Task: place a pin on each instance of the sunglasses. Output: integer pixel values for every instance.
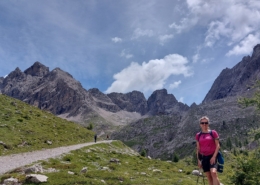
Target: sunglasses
(204, 123)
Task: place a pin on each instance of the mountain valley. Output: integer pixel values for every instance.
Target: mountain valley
(160, 125)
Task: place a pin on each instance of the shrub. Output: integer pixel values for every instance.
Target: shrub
(90, 126)
(143, 153)
(247, 170)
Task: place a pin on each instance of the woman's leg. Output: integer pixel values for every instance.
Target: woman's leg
(210, 180)
(214, 176)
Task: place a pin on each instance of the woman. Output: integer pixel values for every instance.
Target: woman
(207, 150)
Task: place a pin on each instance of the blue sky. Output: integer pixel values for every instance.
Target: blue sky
(122, 45)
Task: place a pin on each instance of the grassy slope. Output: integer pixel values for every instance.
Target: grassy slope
(132, 169)
(26, 128)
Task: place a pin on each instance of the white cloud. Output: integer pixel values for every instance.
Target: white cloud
(141, 33)
(237, 20)
(149, 76)
(231, 20)
(165, 38)
(175, 84)
(184, 24)
(116, 39)
(125, 54)
(215, 31)
(245, 46)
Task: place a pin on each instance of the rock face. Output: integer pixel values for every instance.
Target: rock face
(37, 70)
(55, 91)
(238, 80)
(160, 102)
(131, 102)
(103, 101)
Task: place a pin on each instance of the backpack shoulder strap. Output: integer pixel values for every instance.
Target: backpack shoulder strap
(199, 136)
(210, 132)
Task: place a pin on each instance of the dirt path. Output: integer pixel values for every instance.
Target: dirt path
(11, 162)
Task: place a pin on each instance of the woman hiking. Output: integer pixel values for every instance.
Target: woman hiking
(207, 151)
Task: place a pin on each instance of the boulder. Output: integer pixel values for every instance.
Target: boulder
(36, 178)
(11, 181)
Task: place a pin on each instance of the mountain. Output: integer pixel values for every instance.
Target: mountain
(160, 102)
(58, 92)
(238, 80)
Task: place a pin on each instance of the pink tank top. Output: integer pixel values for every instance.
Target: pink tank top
(207, 143)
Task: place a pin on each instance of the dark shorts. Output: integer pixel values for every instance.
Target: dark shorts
(206, 163)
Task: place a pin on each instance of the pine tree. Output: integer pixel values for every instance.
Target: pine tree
(229, 143)
(175, 158)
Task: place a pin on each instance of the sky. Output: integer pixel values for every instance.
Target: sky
(121, 46)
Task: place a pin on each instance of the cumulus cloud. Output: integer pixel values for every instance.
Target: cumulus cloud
(245, 46)
(125, 54)
(165, 38)
(116, 39)
(141, 33)
(175, 84)
(238, 20)
(232, 20)
(149, 76)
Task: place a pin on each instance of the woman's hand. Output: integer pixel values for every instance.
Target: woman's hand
(199, 164)
(213, 160)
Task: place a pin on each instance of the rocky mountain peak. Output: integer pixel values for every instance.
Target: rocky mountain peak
(16, 73)
(15, 76)
(133, 101)
(59, 72)
(37, 69)
(57, 75)
(256, 51)
(238, 80)
(161, 94)
(160, 102)
(99, 95)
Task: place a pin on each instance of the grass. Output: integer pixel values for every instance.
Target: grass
(26, 128)
(132, 169)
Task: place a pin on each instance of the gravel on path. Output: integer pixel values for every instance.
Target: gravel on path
(13, 161)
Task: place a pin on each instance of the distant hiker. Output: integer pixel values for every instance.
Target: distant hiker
(207, 150)
(95, 138)
(107, 137)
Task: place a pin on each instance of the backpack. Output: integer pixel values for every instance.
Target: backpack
(220, 157)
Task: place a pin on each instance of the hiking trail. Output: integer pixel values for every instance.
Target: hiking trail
(10, 162)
